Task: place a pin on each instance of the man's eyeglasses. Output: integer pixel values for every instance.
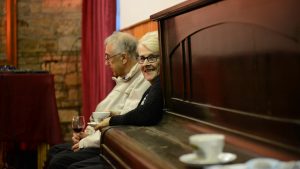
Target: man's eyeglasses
(108, 57)
(151, 58)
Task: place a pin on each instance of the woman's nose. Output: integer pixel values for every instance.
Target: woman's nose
(146, 62)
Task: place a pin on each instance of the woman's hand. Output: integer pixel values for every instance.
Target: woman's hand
(102, 124)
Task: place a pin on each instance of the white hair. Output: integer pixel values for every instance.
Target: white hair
(150, 41)
(122, 42)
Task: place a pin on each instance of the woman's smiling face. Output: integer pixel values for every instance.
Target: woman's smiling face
(150, 69)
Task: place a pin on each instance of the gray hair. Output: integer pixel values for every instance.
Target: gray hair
(150, 41)
(122, 42)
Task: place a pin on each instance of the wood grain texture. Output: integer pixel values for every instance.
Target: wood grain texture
(229, 67)
(139, 29)
(235, 66)
(161, 146)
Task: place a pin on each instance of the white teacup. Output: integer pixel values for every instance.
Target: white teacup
(98, 116)
(208, 146)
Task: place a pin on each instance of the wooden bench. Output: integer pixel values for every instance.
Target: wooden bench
(161, 146)
(229, 67)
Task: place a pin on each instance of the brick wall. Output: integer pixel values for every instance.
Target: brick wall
(49, 38)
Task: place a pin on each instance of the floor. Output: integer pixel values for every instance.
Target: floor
(12, 157)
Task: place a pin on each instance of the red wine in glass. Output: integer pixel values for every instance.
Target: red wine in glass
(77, 130)
(78, 124)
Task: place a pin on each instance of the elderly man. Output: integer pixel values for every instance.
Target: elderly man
(150, 109)
(120, 56)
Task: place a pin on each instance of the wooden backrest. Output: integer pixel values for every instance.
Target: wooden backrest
(229, 67)
(234, 65)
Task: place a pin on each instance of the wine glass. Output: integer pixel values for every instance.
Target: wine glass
(78, 123)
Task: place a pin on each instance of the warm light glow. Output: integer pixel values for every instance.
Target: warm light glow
(11, 30)
(8, 30)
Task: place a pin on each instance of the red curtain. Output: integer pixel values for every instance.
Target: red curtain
(98, 22)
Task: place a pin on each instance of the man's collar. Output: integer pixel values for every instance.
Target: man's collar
(129, 75)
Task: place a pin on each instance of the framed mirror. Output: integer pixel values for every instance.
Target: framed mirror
(8, 41)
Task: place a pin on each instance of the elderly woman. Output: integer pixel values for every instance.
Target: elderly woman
(149, 110)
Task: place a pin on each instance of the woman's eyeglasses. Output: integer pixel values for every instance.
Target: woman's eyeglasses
(151, 58)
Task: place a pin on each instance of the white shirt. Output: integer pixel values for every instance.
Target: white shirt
(124, 97)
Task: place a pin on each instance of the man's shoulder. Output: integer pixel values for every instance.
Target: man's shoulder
(139, 80)
(138, 77)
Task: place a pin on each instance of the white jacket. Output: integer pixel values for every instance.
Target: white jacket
(124, 97)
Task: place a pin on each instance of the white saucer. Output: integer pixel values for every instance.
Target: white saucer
(193, 160)
(93, 124)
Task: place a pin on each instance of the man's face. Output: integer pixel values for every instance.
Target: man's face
(114, 61)
(149, 63)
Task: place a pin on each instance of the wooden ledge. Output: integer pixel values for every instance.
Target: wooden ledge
(160, 146)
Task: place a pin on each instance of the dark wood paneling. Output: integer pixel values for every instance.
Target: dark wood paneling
(235, 65)
(230, 67)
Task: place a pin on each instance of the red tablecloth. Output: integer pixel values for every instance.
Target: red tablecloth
(28, 112)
